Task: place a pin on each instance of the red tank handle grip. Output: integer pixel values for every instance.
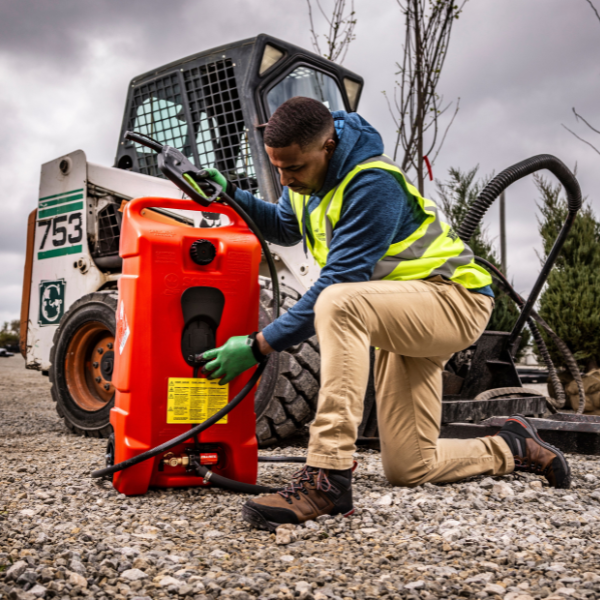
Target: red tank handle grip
(136, 206)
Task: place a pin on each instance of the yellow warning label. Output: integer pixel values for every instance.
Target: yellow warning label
(195, 400)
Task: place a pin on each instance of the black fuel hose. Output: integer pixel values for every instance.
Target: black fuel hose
(186, 435)
(233, 403)
(282, 459)
(229, 484)
(238, 486)
(269, 257)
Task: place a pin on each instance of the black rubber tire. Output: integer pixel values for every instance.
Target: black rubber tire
(286, 397)
(109, 457)
(98, 306)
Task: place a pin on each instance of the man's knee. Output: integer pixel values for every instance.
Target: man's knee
(334, 300)
(400, 474)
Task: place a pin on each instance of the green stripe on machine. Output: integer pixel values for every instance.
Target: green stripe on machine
(64, 200)
(59, 195)
(59, 210)
(59, 252)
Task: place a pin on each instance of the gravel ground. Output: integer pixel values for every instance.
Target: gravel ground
(63, 535)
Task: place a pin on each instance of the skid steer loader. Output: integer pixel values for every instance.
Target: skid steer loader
(212, 107)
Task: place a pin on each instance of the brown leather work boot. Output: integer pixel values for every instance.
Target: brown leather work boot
(313, 492)
(532, 454)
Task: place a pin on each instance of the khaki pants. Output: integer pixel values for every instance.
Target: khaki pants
(416, 326)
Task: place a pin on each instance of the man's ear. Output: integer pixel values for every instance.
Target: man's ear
(329, 146)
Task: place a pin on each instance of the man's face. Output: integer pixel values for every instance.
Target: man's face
(303, 170)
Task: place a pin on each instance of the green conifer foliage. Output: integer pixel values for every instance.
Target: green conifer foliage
(9, 334)
(570, 302)
(456, 195)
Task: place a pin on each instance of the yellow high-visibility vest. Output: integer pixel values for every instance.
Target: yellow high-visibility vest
(433, 249)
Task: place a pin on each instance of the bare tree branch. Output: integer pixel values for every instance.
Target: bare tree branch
(580, 138)
(593, 8)
(577, 116)
(417, 106)
(340, 31)
(313, 35)
(446, 132)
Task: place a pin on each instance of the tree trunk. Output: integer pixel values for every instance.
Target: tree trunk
(420, 98)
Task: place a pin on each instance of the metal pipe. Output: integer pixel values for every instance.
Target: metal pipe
(503, 259)
(541, 280)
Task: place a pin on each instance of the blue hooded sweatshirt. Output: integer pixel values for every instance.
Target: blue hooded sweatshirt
(376, 213)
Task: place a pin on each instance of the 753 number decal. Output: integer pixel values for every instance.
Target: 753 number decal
(62, 230)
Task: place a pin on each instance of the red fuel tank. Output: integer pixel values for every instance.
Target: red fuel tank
(182, 289)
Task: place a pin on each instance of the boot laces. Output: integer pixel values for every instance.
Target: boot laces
(528, 466)
(300, 478)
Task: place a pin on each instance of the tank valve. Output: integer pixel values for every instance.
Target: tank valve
(171, 460)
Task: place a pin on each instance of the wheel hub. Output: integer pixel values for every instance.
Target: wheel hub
(89, 366)
(107, 364)
(103, 358)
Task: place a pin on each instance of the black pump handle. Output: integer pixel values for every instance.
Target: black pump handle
(144, 140)
(176, 166)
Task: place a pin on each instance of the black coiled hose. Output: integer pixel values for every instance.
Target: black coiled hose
(495, 187)
(499, 183)
(561, 398)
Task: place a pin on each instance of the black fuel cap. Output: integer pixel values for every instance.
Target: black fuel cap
(203, 252)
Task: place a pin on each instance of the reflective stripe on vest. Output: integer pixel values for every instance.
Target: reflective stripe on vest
(433, 249)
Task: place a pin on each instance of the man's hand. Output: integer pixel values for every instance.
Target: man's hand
(216, 176)
(230, 360)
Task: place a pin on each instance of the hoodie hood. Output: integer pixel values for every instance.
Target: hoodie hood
(358, 141)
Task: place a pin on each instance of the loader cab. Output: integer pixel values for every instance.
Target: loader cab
(213, 106)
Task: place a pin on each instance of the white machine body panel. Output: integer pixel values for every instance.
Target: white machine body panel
(63, 268)
(60, 247)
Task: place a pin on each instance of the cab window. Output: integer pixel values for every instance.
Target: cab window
(304, 81)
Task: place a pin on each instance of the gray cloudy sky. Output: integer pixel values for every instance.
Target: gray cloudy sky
(517, 65)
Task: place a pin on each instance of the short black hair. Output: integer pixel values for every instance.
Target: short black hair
(298, 120)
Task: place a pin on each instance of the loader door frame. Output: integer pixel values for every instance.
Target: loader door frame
(289, 62)
(266, 86)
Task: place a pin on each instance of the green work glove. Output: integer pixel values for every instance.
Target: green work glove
(216, 176)
(230, 360)
(213, 175)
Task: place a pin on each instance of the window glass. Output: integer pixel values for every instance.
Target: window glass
(163, 121)
(304, 81)
(206, 151)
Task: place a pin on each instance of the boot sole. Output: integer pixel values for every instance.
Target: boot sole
(252, 516)
(566, 484)
(257, 520)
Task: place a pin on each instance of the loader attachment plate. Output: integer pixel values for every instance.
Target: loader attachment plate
(569, 432)
(457, 410)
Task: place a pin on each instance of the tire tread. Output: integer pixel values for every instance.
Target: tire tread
(108, 297)
(293, 402)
